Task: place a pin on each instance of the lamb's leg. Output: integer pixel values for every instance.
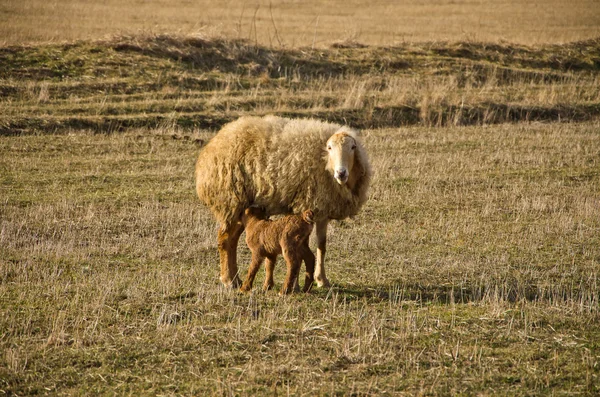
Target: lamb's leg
(296, 286)
(309, 264)
(252, 270)
(320, 277)
(293, 262)
(228, 238)
(269, 265)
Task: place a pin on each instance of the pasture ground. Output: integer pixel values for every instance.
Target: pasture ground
(307, 23)
(473, 268)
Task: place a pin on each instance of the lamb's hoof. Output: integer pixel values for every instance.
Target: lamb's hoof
(286, 290)
(246, 288)
(322, 283)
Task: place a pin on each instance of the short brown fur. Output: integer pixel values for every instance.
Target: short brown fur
(268, 238)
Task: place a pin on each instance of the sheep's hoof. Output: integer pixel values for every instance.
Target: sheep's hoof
(322, 283)
(233, 284)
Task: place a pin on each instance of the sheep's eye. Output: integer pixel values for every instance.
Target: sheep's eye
(353, 147)
(328, 147)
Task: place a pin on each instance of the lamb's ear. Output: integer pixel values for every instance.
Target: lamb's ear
(308, 216)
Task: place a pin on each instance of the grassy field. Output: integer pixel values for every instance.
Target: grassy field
(473, 268)
(305, 23)
(194, 82)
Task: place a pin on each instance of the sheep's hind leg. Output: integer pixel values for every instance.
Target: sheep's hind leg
(320, 277)
(228, 238)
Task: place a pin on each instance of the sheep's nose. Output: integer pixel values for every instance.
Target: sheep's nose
(341, 173)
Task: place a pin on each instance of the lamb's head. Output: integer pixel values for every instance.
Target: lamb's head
(308, 216)
(341, 148)
(253, 213)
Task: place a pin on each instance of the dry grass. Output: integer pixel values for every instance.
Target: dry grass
(472, 269)
(306, 23)
(141, 81)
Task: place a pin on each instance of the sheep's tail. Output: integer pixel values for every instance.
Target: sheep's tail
(308, 216)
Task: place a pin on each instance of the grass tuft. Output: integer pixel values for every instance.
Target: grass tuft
(193, 82)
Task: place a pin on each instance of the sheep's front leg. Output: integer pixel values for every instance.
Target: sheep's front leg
(228, 238)
(320, 277)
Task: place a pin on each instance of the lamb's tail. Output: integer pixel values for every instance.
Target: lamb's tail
(308, 216)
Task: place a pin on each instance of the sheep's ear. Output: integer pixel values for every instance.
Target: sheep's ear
(358, 159)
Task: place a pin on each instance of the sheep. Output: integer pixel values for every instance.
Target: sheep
(285, 166)
(267, 238)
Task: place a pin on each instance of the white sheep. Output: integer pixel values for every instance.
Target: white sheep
(286, 166)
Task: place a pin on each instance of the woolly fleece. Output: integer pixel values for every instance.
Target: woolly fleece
(279, 164)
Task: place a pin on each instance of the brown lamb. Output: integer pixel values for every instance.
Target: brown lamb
(268, 238)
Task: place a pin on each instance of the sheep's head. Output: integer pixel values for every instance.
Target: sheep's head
(340, 155)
